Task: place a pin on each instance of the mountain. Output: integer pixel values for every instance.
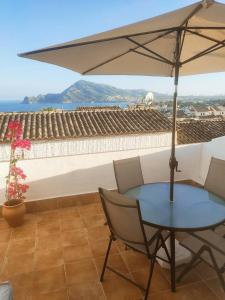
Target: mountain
(86, 91)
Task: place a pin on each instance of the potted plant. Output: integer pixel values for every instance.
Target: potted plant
(13, 209)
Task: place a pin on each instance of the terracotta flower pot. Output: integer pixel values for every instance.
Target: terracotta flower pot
(13, 212)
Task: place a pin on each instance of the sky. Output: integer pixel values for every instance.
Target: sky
(28, 24)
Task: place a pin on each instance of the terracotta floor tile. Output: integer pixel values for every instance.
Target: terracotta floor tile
(159, 282)
(21, 294)
(69, 212)
(59, 295)
(49, 258)
(75, 237)
(5, 235)
(86, 291)
(71, 223)
(115, 261)
(15, 265)
(94, 221)
(196, 291)
(205, 271)
(46, 229)
(99, 248)
(190, 277)
(3, 248)
(77, 252)
(135, 260)
(24, 231)
(49, 242)
(90, 210)
(100, 208)
(117, 288)
(30, 219)
(120, 246)
(81, 271)
(216, 287)
(22, 282)
(98, 233)
(3, 224)
(50, 280)
(21, 246)
(48, 217)
(59, 255)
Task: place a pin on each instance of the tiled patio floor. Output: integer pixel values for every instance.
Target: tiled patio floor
(57, 255)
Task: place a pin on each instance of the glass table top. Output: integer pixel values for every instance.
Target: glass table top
(193, 208)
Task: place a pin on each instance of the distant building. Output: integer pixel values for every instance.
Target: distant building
(198, 111)
(218, 110)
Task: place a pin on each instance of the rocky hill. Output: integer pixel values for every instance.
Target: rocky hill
(86, 91)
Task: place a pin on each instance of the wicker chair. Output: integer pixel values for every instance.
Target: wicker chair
(128, 173)
(215, 183)
(124, 219)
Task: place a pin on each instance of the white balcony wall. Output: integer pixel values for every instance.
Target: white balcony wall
(78, 174)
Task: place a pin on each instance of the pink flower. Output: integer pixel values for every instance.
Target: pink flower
(22, 144)
(23, 187)
(15, 129)
(12, 190)
(16, 171)
(15, 189)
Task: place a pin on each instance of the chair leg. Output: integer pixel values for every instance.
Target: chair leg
(106, 259)
(151, 268)
(221, 279)
(149, 277)
(190, 265)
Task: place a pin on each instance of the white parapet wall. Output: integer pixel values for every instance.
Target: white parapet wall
(79, 174)
(59, 148)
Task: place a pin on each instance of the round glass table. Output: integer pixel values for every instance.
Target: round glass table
(193, 209)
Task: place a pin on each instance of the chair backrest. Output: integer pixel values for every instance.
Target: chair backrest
(128, 173)
(124, 217)
(215, 180)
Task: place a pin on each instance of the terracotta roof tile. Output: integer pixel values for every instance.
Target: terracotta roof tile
(85, 123)
(199, 131)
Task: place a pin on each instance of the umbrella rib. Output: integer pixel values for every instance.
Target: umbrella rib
(97, 41)
(195, 10)
(205, 36)
(152, 57)
(104, 62)
(126, 52)
(149, 50)
(212, 48)
(183, 30)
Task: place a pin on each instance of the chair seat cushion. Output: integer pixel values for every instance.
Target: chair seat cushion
(151, 238)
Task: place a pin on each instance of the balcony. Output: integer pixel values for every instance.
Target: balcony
(58, 252)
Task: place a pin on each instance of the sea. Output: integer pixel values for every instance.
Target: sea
(17, 106)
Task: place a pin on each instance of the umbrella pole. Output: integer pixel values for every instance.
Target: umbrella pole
(173, 162)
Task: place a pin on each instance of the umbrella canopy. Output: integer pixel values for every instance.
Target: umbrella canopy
(187, 41)
(147, 47)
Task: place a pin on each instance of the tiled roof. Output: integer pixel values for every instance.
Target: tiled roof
(201, 108)
(198, 131)
(85, 123)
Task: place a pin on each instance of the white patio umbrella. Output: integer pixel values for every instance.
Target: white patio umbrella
(187, 41)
